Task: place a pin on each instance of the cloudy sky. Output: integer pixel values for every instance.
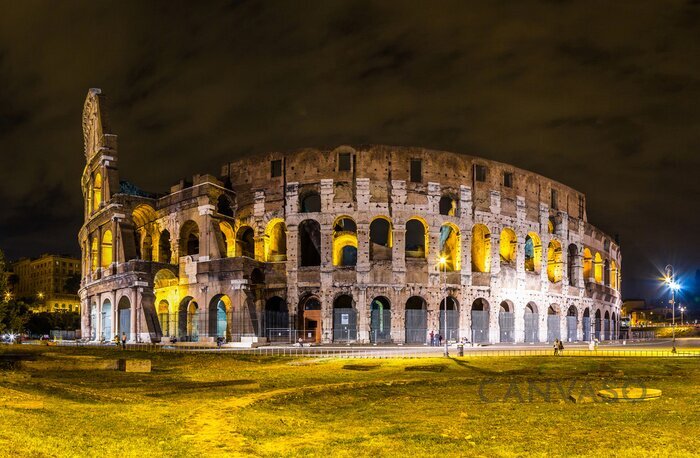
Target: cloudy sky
(603, 96)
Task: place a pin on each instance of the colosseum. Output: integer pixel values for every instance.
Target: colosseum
(361, 244)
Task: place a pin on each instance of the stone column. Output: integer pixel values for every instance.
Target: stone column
(363, 318)
(398, 253)
(133, 313)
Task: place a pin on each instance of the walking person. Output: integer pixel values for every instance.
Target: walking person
(556, 347)
(561, 348)
(123, 340)
(432, 339)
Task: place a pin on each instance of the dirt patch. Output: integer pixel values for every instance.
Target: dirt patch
(360, 367)
(427, 368)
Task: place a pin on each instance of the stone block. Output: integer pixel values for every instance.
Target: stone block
(134, 365)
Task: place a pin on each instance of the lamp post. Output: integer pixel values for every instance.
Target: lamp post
(682, 309)
(443, 264)
(670, 281)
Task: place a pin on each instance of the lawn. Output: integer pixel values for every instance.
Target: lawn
(224, 405)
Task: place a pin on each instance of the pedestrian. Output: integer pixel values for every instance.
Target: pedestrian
(123, 340)
(440, 339)
(116, 340)
(556, 347)
(561, 348)
(432, 339)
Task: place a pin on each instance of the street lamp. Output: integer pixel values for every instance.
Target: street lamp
(682, 309)
(443, 263)
(671, 282)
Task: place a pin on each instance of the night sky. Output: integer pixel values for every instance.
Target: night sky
(602, 96)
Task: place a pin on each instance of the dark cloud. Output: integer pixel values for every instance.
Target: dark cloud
(597, 95)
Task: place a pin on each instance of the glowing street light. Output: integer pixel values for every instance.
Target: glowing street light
(670, 280)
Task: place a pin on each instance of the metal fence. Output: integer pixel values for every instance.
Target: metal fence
(506, 322)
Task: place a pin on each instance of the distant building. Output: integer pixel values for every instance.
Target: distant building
(46, 281)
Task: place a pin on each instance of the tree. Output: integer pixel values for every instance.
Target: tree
(3, 277)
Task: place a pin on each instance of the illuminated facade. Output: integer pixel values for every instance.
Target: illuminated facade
(43, 281)
(365, 244)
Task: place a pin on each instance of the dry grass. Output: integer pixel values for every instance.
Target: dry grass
(222, 405)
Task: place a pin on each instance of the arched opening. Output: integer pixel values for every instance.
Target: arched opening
(188, 320)
(164, 317)
(614, 284)
(94, 253)
(106, 320)
(416, 321)
(480, 321)
(571, 265)
(416, 242)
(344, 242)
(532, 327)
(309, 243)
(598, 324)
(164, 250)
(189, 239)
(606, 272)
(310, 202)
(606, 326)
(380, 239)
(257, 276)
(380, 320)
(344, 319)
(448, 205)
(96, 192)
(450, 247)
(614, 332)
(587, 264)
(228, 250)
(93, 322)
(276, 241)
(553, 325)
(554, 261)
(533, 252)
(452, 331)
(219, 311)
(106, 248)
(506, 321)
(276, 320)
(508, 246)
(586, 325)
(124, 317)
(147, 248)
(223, 206)
(550, 226)
(481, 248)
(245, 242)
(144, 217)
(571, 324)
(310, 319)
(598, 268)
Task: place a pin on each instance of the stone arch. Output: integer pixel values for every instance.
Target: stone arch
(448, 205)
(144, 217)
(245, 242)
(380, 320)
(606, 326)
(96, 192)
(188, 320)
(587, 264)
(572, 256)
(481, 248)
(94, 252)
(228, 250)
(107, 320)
(606, 272)
(416, 241)
(276, 320)
(344, 242)
(257, 276)
(572, 323)
(506, 321)
(344, 319)
(310, 202)
(224, 206)
(416, 320)
(309, 243)
(164, 249)
(380, 238)
(553, 323)
(614, 276)
(163, 312)
(598, 268)
(276, 241)
(309, 317)
(480, 320)
(598, 325)
(450, 247)
(554, 261)
(107, 250)
(586, 324)
(219, 311)
(508, 246)
(533, 252)
(531, 323)
(189, 239)
(124, 317)
(451, 304)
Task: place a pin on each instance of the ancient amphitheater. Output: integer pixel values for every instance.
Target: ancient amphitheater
(364, 243)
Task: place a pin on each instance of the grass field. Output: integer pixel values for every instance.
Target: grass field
(223, 405)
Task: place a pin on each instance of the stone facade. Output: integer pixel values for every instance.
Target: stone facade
(332, 244)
